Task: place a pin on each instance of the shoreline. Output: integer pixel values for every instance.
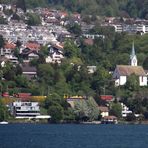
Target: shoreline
(22, 121)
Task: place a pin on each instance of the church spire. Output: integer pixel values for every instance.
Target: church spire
(133, 57)
(133, 49)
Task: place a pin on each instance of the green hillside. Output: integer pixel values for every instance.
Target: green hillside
(132, 8)
(127, 8)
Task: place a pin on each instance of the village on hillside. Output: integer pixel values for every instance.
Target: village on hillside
(61, 67)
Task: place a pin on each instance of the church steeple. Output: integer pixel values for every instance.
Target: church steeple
(133, 57)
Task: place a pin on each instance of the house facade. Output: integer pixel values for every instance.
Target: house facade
(25, 109)
(30, 72)
(125, 110)
(104, 111)
(122, 72)
(55, 54)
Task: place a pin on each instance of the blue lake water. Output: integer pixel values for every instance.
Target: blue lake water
(73, 136)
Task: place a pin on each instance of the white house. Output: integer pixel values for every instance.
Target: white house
(8, 49)
(25, 109)
(122, 72)
(104, 111)
(55, 54)
(125, 110)
(91, 69)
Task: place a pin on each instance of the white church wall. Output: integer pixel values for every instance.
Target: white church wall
(143, 80)
(123, 80)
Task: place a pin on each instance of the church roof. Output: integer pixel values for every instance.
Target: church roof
(126, 70)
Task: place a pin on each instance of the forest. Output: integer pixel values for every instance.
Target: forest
(122, 8)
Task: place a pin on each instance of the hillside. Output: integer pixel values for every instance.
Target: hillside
(125, 8)
(132, 8)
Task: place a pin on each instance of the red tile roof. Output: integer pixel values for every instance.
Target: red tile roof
(9, 45)
(5, 94)
(63, 14)
(23, 96)
(33, 46)
(106, 97)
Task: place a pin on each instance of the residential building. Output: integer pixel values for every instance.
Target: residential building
(125, 110)
(109, 120)
(93, 36)
(131, 28)
(73, 99)
(91, 69)
(25, 109)
(118, 28)
(106, 98)
(29, 71)
(3, 61)
(8, 49)
(55, 54)
(104, 111)
(13, 59)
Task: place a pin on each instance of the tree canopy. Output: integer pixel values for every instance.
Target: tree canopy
(127, 8)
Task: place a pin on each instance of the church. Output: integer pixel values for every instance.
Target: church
(122, 72)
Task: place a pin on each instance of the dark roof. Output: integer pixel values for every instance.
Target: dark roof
(27, 68)
(103, 109)
(126, 70)
(27, 51)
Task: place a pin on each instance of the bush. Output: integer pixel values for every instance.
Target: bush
(146, 115)
(56, 112)
(130, 117)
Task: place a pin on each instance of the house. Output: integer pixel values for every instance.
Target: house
(29, 71)
(104, 111)
(55, 54)
(109, 120)
(29, 54)
(33, 46)
(7, 52)
(23, 96)
(25, 109)
(3, 61)
(91, 69)
(72, 99)
(122, 72)
(32, 55)
(7, 49)
(13, 59)
(131, 28)
(107, 98)
(93, 36)
(63, 14)
(125, 110)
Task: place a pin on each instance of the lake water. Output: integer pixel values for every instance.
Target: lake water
(73, 136)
